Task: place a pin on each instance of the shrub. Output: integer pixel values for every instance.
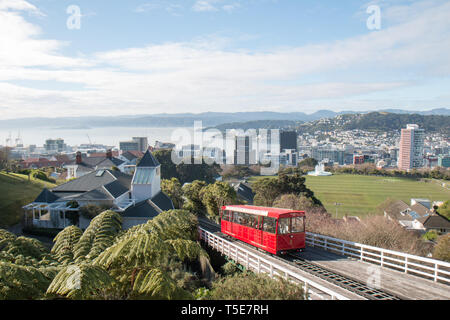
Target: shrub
(90, 211)
(376, 231)
(255, 287)
(442, 249)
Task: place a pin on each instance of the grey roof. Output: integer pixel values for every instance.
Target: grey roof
(116, 189)
(129, 156)
(436, 221)
(147, 209)
(148, 160)
(245, 192)
(93, 181)
(46, 196)
(97, 194)
(109, 163)
(92, 162)
(143, 209)
(163, 201)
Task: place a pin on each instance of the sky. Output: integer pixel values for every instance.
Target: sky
(128, 57)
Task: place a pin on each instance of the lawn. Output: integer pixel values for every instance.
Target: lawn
(360, 195)
(15, 192)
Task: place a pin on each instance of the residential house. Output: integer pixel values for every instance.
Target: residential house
(137, 197)
(417, 216)
(84, 165)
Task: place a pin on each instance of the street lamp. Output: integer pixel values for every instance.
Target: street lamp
(337, 204)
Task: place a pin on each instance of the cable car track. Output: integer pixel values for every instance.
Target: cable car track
(342, 281)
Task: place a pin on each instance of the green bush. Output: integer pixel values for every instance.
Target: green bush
(442, 249)
(250, 286)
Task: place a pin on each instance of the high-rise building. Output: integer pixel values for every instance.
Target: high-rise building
(142, 143)
(411, 148)
(54, 145)
(288, 140)
(244, 153)
(128, 146)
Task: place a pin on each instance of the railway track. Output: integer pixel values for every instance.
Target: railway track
(298, 261)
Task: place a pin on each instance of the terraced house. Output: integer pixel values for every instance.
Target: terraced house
(137, 197)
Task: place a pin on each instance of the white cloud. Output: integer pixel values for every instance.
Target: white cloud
(205, 75)
(205, 5)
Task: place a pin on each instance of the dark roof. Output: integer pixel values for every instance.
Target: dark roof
(94, 180)
(129, 156)
(436, 221)
(97, 194)
(109, 163)
(142, 209)
(245, 192)
(92, 162)
(148, 160)
(46, 196)
(163, 201)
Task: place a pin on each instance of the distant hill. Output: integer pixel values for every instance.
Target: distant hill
(260, 124)
(185, 119)
(374, 121)
(379, 121)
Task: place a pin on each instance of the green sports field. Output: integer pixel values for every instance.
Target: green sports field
(360, 195)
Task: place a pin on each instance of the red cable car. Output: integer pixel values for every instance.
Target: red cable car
(271, 229)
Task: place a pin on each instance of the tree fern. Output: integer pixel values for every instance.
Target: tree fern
(65, 242)
(98, 236)
(22, 282)
(80, 282)
(157, 285)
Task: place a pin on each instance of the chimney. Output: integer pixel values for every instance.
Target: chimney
(109, 154)
(78, 158)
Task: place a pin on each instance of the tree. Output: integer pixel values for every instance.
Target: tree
(442, 249)
(174, 190)
(216, 195)
(80, 282)
(65, 241)
(4, 158)
(99, 235)
(192, 195)
(295, 202)
(268, 189)
(90, 211)
(444, 209)
(308, 162)
(168, 168)
(188, 172)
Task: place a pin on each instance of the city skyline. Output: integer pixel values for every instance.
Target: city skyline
(196, 56)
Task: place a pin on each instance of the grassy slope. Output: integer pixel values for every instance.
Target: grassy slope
(361, 195)
(16, 191)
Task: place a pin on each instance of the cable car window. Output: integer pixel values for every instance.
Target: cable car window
(245, 220)
(283, 226)
(297, 224)
(226, 215)
(270, 224)
(236, 217)
(254, 222)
